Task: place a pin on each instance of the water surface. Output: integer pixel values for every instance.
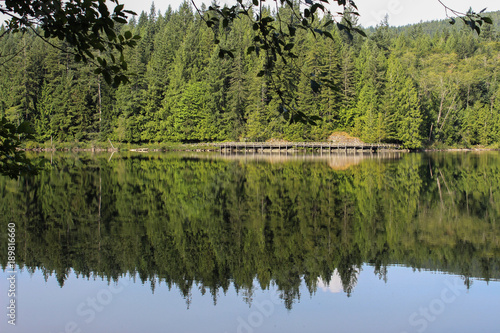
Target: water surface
(190, 243)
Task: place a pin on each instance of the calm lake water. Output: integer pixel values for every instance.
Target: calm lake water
(207, 243)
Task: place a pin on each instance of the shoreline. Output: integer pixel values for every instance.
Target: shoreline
(206, 148)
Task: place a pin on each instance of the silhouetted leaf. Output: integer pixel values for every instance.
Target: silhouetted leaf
(315, 86)
(488, 20)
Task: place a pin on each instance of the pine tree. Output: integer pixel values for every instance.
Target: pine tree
(410, 125)
(348, 82)
(193, 120)
(259, 96)
(395, 81)
(367, 111)
(42, 124)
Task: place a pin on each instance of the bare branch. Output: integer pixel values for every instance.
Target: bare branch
(11, 56)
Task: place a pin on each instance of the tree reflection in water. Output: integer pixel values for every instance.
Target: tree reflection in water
(209, 222)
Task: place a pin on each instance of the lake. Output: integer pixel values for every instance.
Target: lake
(153, 242)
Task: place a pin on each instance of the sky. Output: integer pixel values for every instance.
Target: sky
(401, 12)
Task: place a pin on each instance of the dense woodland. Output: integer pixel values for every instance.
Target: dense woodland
(420, 85)
(194, 222)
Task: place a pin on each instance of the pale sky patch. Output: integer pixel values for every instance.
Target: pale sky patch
(401, 12)
(332, 286)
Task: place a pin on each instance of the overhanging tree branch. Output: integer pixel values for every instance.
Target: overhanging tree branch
(472, 19)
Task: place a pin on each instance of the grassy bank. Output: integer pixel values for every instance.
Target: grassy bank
(116, 146)
(176, 146)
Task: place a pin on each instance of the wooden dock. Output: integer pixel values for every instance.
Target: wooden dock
(285, 147)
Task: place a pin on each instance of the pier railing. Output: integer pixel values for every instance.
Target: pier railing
(278, 147)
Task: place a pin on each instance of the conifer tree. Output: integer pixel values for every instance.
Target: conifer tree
(395, 81)
(410, 125)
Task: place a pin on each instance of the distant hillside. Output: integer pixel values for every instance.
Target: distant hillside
(437, 26)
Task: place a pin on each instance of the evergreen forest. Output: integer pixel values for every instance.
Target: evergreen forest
(427, 85)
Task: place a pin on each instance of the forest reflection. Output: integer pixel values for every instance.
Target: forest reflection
(211, 222)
